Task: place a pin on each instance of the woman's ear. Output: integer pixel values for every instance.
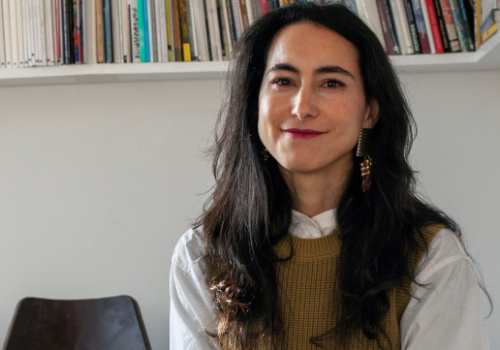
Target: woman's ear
(372, 114)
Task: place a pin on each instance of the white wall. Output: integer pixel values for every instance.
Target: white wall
(97, 182)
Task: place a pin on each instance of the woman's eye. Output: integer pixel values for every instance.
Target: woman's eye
(282, 82)
(333, 83)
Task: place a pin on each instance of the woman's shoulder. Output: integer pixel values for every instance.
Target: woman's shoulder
(189, 250)
(445, 248)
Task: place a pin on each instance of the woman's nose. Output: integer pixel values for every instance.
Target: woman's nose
(304, 103)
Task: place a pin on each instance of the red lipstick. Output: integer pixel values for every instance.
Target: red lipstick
(303, 133)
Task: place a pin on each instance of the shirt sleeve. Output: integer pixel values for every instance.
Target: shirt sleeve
(445, 313)
(190, 302)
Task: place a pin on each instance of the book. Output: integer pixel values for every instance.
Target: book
(186, 48)
(147, 31)
(468, 27)
(488, 23)
(450, 25)
(228, 45)
(402, 28)
(20, 37)
(170, 39)
(421, 30)
(13, 34)
(153, 40)
(459, 26)
(2, 43)
(428, 26)
(142, 31)
(115, 30)
(193, 40)
(367, 10)
(99, 30)
(57, 31)
(238, 28)
(438, 44)
(385, 27)
(135, 40)
(392, 28)
(413, 26)
(177, 49)
(442, 26)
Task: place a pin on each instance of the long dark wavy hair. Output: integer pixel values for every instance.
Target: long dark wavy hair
(249, 210)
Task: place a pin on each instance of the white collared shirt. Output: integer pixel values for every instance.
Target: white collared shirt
(445, 316)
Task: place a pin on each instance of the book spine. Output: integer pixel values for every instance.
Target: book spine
(434, 26)
(392, 28)
(450, 25)
(57, 30)
(385, 27)
(263, 4)
(114, 31)
(442, 26)
(467, 26)
(406, 47)
(413, 26)
(142, 33)
(135, 31)
(26, 47)
(13, 34)
(193, 40)
(37, 33)
(2, 40)
(227, 28)
(477, 23)
(42, 33)
(177, 30)
(242, 8)
(49, 37)
(99, 31)
(459, 26)
(125, 31)
(230, 17)
(216, 30)
(153, 40)
(147, 31)
(250, 13)
(428, 26)
(34, 34)
(219, 22)
(369, 13)
(211, 30)
(76, 31)
(419, 20)
(159, 31)
(119, 18)
(82, 31)
(20, 41)
(237, 19)
(186, 48)
(61, 30)
(66, 48)
(108, 32)
(168, 10)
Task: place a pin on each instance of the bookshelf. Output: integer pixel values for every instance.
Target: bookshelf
(486, 58)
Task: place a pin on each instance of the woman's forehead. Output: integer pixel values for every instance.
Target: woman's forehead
(309, 45)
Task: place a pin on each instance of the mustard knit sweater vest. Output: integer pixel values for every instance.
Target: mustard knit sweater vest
(310, 299)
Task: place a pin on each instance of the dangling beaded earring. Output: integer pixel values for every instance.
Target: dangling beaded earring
(363, 150)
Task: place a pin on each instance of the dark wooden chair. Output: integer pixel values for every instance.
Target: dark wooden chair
(95, 324)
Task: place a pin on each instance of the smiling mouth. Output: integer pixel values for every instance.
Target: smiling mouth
(303, 133)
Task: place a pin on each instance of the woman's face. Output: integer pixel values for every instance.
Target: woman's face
(312, 103)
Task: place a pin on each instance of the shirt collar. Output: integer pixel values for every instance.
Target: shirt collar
(318, 226)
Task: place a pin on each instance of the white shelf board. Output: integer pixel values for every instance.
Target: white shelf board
(487, 58)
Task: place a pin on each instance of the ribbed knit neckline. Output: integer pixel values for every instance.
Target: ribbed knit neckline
(309, 248)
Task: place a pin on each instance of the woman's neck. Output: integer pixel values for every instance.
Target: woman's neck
(315, 193)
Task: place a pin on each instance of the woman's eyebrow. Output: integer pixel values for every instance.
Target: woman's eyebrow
(320, 70)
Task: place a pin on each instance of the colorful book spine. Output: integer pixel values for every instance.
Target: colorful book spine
(419, 20)
(438, 43)
(135, 39)
(428, 26)
(146, 30)
(385, 27)
(392, 28)
(442, 26)
(459, 26)
(405, 26)
(450, 25)
(177, 31)
(186, 48)
(168, 11)
(467, 26)
(263, 3)
(142, 33)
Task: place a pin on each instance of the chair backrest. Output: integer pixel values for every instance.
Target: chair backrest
(95, 324)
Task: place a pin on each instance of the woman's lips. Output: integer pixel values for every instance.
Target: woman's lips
(303, 133)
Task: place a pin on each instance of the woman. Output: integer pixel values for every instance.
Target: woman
(303, 244)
